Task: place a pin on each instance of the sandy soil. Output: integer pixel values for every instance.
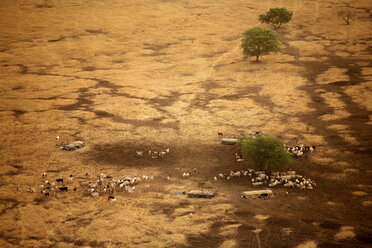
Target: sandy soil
(137, 75)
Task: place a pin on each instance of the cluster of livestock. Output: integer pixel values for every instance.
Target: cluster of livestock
(187, 174)
(51, 188)
(249, 133)
(295, 151)
(298, 151)
(105, 184)
(289, 179)
(153, 154)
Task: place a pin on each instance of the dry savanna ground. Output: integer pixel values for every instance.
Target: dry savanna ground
(148, 74)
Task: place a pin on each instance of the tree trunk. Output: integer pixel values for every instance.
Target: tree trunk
(257, 58)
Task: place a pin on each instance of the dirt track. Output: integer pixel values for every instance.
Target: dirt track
(142, 75)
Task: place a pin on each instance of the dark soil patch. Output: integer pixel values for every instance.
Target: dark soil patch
(330, 225)
(56, 40)
(17, 88)
(89, 68)
(42, 6)
(95, 31)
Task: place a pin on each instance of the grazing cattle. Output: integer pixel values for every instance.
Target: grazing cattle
(235, 174)
(45, 193)
(31, 190)
(162, 154)
(59, 180)
(257, 184)
(111, 198)
(298, 151)
(95, 193)
(63, 188)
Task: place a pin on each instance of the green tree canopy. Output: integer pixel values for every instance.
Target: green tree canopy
(259, 41)
(276, 17)
(266, 152)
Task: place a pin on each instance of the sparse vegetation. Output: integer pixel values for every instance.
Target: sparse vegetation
(276, 17)
(128, 76)
(266, 152)
(346, 15)
(259, 41)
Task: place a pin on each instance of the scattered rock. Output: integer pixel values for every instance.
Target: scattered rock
(257, 193)
(229, 141)
(180, 193)
(201, 194)
(73, 146)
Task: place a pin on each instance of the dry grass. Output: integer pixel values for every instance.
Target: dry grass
(151, 74)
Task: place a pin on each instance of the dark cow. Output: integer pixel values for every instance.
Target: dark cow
(64, 188)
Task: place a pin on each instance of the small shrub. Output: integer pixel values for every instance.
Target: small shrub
(276, 17)
(346, 15)
(266, 152)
